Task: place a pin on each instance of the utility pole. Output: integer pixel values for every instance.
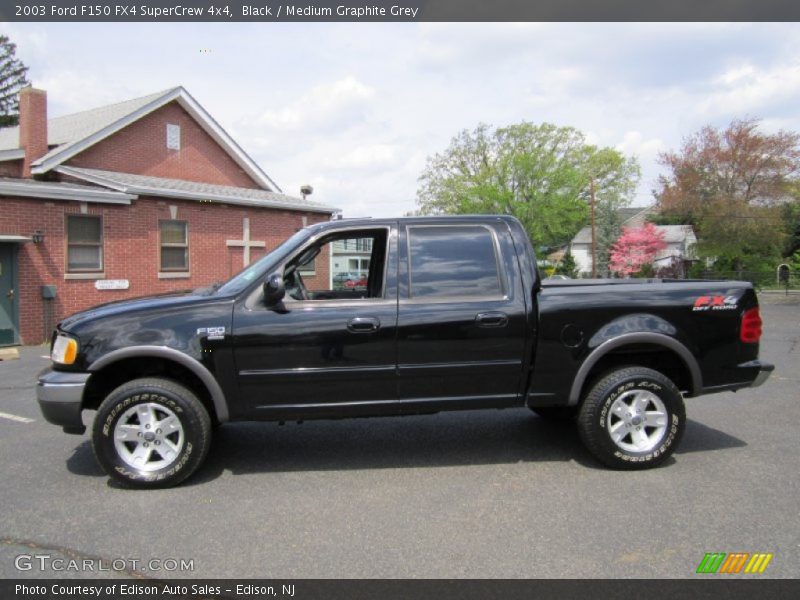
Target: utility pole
(594, 239)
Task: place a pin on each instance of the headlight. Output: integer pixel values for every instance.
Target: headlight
(65, 350)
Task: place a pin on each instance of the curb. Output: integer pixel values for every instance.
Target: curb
(9, 354)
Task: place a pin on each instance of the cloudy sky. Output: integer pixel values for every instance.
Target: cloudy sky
(355, 109)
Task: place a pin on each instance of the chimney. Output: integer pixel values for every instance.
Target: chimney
(32, 126)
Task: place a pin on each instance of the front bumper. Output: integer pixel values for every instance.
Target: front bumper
(60, 397)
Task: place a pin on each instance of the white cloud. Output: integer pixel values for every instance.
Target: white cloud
(555, 84)
(70, 91)
(747, 89)
(363, 157)
(736, 75)
(321, 106)
(32, 44)
(635, 144)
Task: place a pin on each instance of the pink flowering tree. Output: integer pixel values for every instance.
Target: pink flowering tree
(635, 248)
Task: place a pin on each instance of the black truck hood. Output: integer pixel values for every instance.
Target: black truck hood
(154, 303)
(179, 320)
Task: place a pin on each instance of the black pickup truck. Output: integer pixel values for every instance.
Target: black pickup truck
(452, 315)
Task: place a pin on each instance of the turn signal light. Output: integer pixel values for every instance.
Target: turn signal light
(750, 331)
(65, 350)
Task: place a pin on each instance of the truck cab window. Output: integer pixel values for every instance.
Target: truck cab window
(449, 261)
(346, 266)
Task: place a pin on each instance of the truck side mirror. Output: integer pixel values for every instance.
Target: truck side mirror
(274, 290)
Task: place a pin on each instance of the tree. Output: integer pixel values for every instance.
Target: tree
(731, 185)
(636, 249)
(13, 77)
(791, 216)
(615, 179)
(538, 173)
(567, 266)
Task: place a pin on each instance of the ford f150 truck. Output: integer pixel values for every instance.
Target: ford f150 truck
(453, 315)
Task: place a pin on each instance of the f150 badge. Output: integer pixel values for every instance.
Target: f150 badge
(212, 333)
(704, 303)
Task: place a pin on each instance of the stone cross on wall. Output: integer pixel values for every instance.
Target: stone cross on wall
(245, 242)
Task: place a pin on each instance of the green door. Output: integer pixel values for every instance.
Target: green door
(8, 308)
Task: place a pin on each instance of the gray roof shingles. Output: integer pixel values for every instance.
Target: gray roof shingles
(158, 186)
(68, 129)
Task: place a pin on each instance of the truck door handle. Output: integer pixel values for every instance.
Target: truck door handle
(363, 324)
(10, 294)
(492, 319)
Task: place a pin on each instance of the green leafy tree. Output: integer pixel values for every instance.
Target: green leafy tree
(791, 216)
(732, 184)
(537, 173)
(13, 77)
(567, 266)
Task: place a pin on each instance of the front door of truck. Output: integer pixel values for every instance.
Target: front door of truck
(331, 346)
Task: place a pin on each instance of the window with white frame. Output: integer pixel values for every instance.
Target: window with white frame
(174, 245)
(84, 243)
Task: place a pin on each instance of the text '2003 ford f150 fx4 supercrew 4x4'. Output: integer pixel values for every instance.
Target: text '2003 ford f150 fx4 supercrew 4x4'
(453, 315)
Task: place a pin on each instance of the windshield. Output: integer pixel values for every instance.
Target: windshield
(250, 273)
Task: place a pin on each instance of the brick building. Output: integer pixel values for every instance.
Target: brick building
(140, 197)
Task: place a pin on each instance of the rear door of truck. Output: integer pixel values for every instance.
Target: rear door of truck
(462, 314)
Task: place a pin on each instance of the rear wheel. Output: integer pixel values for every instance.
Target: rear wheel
(633, 418)
(151, 432)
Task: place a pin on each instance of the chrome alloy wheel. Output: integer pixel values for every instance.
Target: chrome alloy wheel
(148, 437)
(637, 421)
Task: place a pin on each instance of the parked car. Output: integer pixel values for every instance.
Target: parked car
(361, 282)
(343, 278)
(454, 315)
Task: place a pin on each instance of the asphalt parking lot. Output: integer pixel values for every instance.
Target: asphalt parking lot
(474, 494)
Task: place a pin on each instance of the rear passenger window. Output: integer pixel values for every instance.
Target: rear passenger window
(453, 262)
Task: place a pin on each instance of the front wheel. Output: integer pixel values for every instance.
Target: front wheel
(633, 418)
(151, 432)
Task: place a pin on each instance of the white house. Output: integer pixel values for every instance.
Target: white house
(680, 240)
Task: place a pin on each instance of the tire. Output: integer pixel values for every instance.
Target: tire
(556, 413)
(633, 418)
(134, 450)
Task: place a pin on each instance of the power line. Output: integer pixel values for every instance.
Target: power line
(713, 216)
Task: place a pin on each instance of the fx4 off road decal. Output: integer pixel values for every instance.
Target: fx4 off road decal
(704, 303)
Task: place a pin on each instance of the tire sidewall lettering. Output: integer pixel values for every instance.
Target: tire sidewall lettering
(673, 426)
(111, 418)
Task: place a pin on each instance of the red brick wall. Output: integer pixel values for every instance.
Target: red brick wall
(131, 250)
(141, 148)
(11, 168)
(32, 126)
